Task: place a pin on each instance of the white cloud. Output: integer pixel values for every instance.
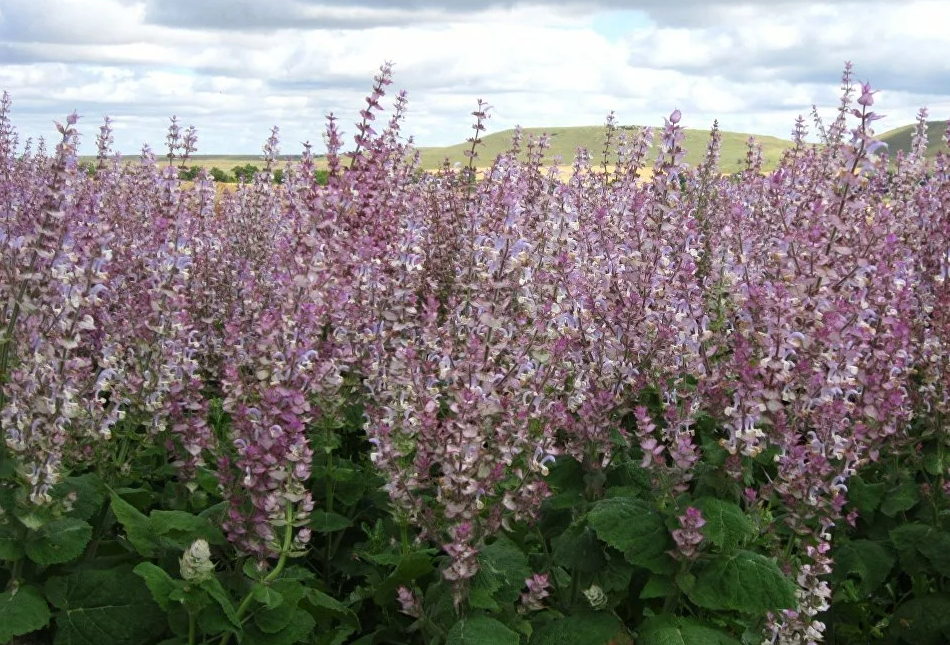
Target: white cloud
(234, 73)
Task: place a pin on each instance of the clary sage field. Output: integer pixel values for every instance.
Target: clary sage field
(518, 405)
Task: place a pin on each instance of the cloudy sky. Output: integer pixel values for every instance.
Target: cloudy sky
(234, 68)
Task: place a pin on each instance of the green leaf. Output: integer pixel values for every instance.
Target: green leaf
(274, 619)
(214, 589)
(11, 542)
(179, 529)
(22, 612)
(300, 627)
(323, 522)
(578, 548)
(632, 527)
(727, 526)
(657, 587)
(921, 548)
(265, 595)
(87, 491)
(104, 606)
(159, 583)
(481, 630)
(865, 559)
(411, 566)
(503, 568)
(58, 541)
(679, 630)
(327, 604)
(863, 496)
(924, 620)
(743, 581)
(589, 628)
(902, 498)
(137, 527)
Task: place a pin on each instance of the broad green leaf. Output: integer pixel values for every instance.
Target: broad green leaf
(633, 528)
(22, 612)
(865, 559)
(863, 496)
(411, 566)
(323, 522)
(179, 529)
(923, 620)
(137, 527)
(727, 526)
(104, 606)
(58, 541)
(742, 581)
(658, 587)
(902, 498)
(273, 620)
(86, 491)
(217, 592)
(11, 542)
(921, 548)
(298, 628)
(327, 604)
(159, 583)
(578, 548)
(266, 595)
(503, 568)
(679, 630)
(481, 630)
(589, 628)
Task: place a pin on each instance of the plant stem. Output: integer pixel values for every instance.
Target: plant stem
(192, 620)
(278, 568)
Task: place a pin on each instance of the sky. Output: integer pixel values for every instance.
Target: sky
(235, 68)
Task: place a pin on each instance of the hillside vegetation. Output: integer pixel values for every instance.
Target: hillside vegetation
(566, 140)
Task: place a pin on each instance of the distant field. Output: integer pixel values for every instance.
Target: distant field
(565, 141)
(900, 138)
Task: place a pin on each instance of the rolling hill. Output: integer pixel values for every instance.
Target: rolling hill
(566, 140)
(900, 138)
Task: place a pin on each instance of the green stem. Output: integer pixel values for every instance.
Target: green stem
(192, 621)
(278, 568)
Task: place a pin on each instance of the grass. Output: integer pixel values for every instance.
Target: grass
(565, 141)
(900, 138)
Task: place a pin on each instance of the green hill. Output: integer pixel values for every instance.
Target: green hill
(900, 138)
(565, 141)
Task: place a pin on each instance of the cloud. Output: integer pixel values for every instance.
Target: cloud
(236, 68)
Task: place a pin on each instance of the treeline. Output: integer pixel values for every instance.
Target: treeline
(244, 173)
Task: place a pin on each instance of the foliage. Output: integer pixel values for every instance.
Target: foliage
(378, 405)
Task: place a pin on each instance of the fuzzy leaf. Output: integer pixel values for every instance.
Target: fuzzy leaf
(88, 492)
(11, 543)
(503, 568)
(104, 606)
(298, 628)
(179, 529)
(679, 630)
(743, 581)
(159, 583)
(276, 618)
(481, 630)
(727, 526)
(590, 628)
(137, 527)
(865, 559)
(863, 496)
(900, 499)
(22, 612)
(323, 522)
(58, 541)
(330, 605)
(631, 526)
(923, 620)
(921, 547)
